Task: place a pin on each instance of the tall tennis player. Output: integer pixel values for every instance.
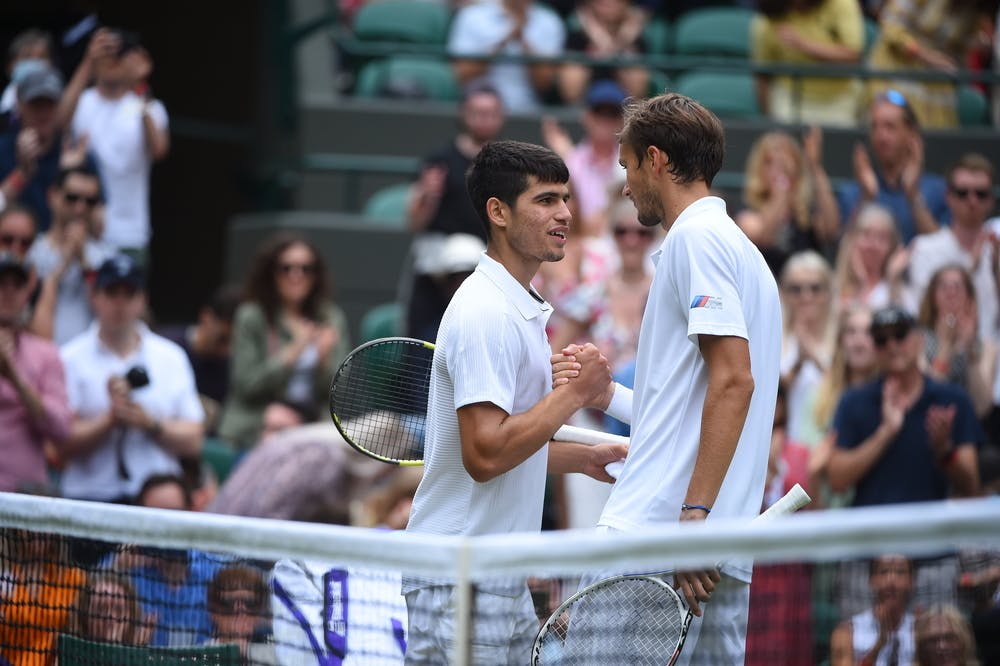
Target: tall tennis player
(707, 363)
(491, 409)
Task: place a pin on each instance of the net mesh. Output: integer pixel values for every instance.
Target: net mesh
(90, 583)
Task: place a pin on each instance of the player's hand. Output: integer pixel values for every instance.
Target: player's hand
(593, 378)
(564, 366)
(697, 586)
(599, 456)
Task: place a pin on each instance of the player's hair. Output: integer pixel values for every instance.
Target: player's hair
(972, 162)
(690, 135)
(502, 168)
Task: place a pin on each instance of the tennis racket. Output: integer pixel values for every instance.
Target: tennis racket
(633, 619)
(378, 401)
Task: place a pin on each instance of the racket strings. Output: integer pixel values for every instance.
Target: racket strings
(380, 398)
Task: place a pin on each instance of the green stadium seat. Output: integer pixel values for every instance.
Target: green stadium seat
(387, 206)
(658, 36)
(871, 34)
(659, 82)
(220, 455)
(403, 21)
(75, 651)
(727, 94)
(973, 108)
(408, 77)
(714, 31)
(382, 321)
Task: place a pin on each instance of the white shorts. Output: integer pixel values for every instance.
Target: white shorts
(503, 628)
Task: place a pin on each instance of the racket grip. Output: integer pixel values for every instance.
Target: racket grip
(569, 433)
(792, 501)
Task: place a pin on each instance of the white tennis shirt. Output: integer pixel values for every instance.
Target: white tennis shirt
(491, 347)
(709, 280)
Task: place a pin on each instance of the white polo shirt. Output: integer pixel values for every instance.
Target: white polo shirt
(491, 347)
(171, 394)
(709, 280)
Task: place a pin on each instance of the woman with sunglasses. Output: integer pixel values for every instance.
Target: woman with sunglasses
(871, 261)
(955, 352)
(288, 337)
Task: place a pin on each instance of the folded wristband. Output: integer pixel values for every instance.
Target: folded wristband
(620, 406)
(689, 507)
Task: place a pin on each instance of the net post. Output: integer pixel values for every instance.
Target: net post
(462, 648)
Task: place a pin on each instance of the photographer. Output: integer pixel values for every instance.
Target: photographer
(136, 408)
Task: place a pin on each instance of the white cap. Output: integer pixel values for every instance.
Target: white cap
(460, 254)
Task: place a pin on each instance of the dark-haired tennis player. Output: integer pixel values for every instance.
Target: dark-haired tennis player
(491, 410)
(707, 363)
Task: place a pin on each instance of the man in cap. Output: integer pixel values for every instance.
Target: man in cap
(136, 408)
(33, 406)
(29, 150)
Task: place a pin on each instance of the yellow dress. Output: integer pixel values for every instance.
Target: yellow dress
(816, 100)
(943, 25)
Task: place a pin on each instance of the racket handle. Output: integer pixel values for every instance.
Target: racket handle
(792, 501)
(587, 436)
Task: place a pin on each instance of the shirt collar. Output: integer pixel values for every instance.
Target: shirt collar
(693, 210)
(525, 303)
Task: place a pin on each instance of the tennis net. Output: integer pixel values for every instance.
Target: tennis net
(95, 584)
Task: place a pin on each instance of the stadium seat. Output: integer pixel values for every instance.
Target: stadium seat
(408, 77)
(220, 455)
(973, 109)
(871, 34)
(387, 206)
(382, 321)
(75, 651)
(727, 94)
(658, 36)
(403, 21)
(714, 31)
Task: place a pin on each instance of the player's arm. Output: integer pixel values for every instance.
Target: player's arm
(616, 401)
(574, 457)
(495, 442)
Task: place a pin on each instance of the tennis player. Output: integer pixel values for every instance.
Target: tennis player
(707, 364)
(491, 410)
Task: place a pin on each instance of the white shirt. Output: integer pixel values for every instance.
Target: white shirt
(118, 141)
(709, 280)
(478, 28)
(491, 347)
(72, 313)
(864, 633)
(171, 394)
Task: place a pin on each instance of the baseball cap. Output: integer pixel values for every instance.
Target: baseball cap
(605, 93)
(120, 269)
(44, 82)
(460, 254)
(10, 263)
(892, 316)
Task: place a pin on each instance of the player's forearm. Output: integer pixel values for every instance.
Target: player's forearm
(566, 457)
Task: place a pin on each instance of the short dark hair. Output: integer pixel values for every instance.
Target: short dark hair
(972, 162)
(690, 135)
(479, 87)
(502, 168)
(224, 301)
(19, 209)
(164, 479)
(80, 170)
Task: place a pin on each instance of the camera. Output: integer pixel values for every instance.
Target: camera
(137, 377)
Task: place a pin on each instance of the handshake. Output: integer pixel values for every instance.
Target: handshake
(584, 371)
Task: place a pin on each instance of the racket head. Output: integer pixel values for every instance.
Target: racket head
(378, 399)
(633, 619)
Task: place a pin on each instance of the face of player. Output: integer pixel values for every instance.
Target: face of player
(639, 188)
(295, 274)
(856, 340)
(108, 612)
(970, 197)
(539, 222)
(482, 116)
(892, 581)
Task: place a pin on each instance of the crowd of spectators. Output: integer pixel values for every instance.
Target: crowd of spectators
(890, 287)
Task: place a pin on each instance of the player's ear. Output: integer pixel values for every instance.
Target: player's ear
(658, 159)
(498, 212)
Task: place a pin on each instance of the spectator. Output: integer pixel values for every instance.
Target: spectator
(605, 30)
(41, 589)
(207, 345)
(109, 611)
(882, 634)
(789, 204)
(17, 230)
(979, 585)
(956, 353)
(439, 205)
(897, 179)
(506, 30)
(870, 262)
(808, 32)
(125, 128)
(238, 606)
(593, 163)
(925, 35)
(33, 404)
(944, 638)
(966, 242)
(809, 332)
(165, 491)
(288, 337)
(65, 255)
(387, 505)
(132, 391)
(30, 148)
(30, 51)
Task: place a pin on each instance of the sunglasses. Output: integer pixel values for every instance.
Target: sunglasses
(73, 197)
(305, 269)
(797, 289)
(235, 604)
(622, 232)
(881, 336)
(9, 240)
(964, 192)
(895, 97)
